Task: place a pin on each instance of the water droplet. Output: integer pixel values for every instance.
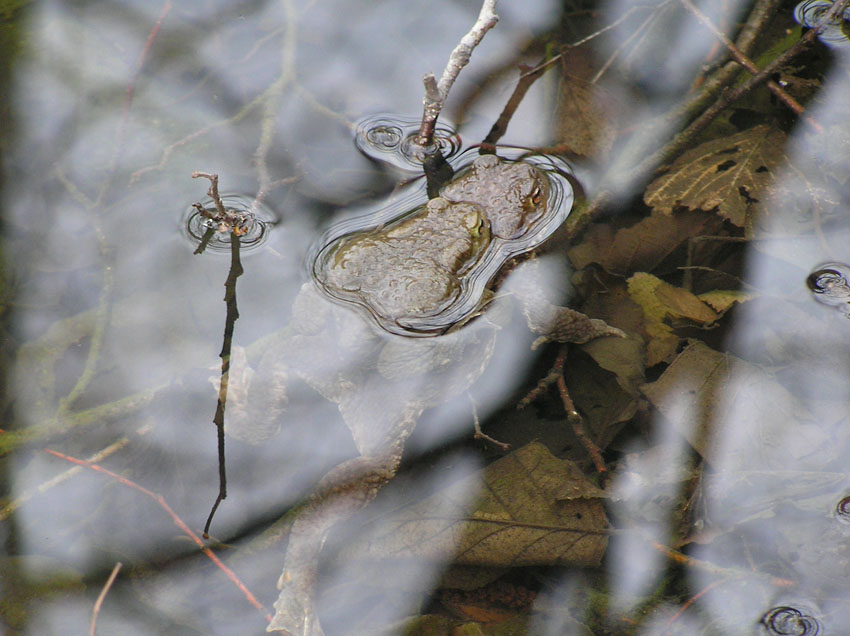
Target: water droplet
(789, 621)
(830, 285)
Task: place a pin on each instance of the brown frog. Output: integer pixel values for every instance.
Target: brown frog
(427, 274)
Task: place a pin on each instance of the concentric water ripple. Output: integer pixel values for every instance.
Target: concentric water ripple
(252, 225)
(789, 621)
(830, 285)
(391, 140)
(810, 12)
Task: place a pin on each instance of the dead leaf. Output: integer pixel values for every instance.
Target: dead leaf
(643, 246)
(585, 110)
(728, 174)
(721, 300)
(603, 399)
(624, 357)
(661, 301)
(708, 395)
(533, 509)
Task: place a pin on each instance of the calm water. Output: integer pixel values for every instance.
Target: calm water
(113, 326)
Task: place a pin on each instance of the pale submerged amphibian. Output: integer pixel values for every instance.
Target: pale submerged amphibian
(432, 273)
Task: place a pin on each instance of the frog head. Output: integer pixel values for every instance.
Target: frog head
(514, 195)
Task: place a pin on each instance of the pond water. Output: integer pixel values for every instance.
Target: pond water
(707, 493)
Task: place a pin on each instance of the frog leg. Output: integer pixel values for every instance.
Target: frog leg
(341, 493)
(561, 324)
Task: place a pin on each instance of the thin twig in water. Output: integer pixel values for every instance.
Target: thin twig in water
(159, 499)
(528, 76)
(99, 602)
(748, 64)
(436, 93)
(476, 423)
(638, 32)
(230, 322)
(556, 376)
(213, 191)
(61, 478)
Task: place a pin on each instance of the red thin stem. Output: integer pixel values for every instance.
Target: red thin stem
(131, 87)
(177, 521)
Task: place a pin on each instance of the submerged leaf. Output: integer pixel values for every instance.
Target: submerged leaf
(728, 174)
(721, 300)
(711, 397)
(533, 509)
(642, 246)
(585, 112)
(661, 301)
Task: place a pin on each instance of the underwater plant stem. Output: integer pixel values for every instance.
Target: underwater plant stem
(100, 597)
(9, 509)
(160, 500)
(11, 440)
(744, 61)
(757, 21)
(476, 424)
(437, 93)
(271, 106)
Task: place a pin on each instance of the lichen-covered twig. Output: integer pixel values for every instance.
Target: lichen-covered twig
(436, 93)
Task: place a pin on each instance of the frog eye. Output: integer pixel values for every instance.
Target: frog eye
(479, 229)
(536, 196)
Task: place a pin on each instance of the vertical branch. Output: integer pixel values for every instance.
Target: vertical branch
(436, 93)
(232, 316)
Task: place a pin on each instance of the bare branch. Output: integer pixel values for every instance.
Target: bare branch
(742, 59)
(436, 94)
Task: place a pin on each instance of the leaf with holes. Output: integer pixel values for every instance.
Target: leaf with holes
(728, 175)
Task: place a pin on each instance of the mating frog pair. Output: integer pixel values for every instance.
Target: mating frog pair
(432, 273)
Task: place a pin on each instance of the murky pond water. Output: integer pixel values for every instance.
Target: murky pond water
(703, 490)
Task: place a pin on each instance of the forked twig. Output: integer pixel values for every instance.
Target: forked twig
(556, 376)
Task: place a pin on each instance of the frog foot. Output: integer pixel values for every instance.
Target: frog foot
(294, 614)
(562, 324)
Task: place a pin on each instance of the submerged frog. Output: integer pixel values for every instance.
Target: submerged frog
(440, 260)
